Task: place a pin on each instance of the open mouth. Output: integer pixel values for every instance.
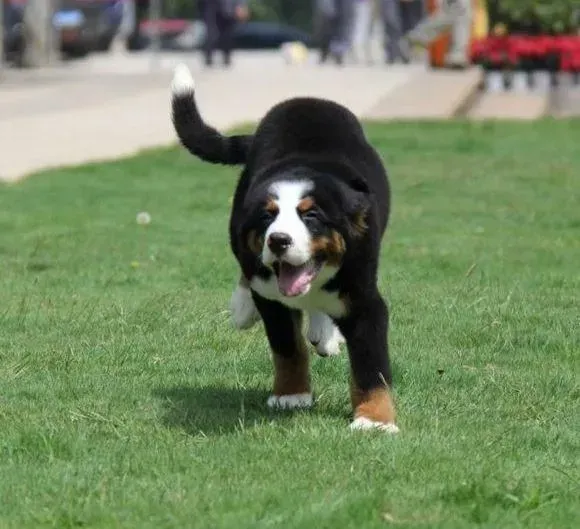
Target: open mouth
(295, 280)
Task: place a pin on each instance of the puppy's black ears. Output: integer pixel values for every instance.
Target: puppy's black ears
(357, 206)
(359, 185)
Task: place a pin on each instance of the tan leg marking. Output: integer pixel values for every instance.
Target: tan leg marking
(372, 409)
(292, 376)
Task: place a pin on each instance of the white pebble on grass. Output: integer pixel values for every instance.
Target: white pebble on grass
(143, 218)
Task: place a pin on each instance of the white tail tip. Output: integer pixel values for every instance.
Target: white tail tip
(183, 82)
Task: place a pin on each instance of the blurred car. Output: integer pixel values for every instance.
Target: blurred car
(12, 16)
(83, 26)
(184, 35)
(174, 34)
(87, 25)
(268, 35)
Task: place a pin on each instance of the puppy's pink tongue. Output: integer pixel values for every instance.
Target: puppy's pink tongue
(294, 280)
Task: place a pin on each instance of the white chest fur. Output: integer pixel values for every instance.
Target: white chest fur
(315, 300)
(321, 306)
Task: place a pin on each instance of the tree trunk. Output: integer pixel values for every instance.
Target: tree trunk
(39, 34)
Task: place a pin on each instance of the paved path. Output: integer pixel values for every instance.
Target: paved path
(111, 106)
(432, 94)
(510, 105)
(114, 105)
(566, 101)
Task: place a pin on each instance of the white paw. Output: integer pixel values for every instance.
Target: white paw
(324, 334)
(242, 307)
(362, 423)
(290, 402)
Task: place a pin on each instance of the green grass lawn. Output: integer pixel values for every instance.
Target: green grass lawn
(127, 400)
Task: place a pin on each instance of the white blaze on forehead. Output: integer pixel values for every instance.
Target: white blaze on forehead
(290, 192)
(287, 194)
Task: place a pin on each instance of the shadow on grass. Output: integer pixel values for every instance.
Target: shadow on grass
(215, 410)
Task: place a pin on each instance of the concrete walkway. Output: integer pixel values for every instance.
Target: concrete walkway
(566, 100)
(115, 105)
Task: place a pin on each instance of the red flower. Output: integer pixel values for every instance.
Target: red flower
(575, 61)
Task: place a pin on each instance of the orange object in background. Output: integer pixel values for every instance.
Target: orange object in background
(440, 46)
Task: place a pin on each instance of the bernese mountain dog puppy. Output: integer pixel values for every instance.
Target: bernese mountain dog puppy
(308, 215)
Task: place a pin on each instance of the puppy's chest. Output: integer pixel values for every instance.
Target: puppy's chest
(316, 299)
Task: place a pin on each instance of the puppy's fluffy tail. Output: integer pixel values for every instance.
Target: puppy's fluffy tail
(196, 136)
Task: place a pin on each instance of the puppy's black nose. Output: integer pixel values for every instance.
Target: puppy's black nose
(279, 242)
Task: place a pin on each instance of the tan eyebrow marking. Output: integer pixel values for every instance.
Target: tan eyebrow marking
(305, 204)
(271, 206)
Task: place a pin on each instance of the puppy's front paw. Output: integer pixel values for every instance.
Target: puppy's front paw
(290, 402)
(362, 423)
(373, 410)
(324, 334)
(242, 307)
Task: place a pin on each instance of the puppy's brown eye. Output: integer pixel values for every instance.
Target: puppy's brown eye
(311, 214)
(266, 216)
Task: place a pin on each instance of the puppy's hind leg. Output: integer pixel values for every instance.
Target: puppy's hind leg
(324, 334)
(242, 307)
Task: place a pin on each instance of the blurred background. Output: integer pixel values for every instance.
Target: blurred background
(443, 33)
(65, 61)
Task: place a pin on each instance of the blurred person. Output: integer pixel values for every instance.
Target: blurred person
(396, 49)
(411, 14)
(334, 20)
(220, 18)
(454, 15)
(139, 12)
(127, 19)
(324, 15)
(362, 29)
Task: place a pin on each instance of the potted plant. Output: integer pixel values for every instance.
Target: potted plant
(541, 78)
(516, 62)
(493, 65)
(495, 59)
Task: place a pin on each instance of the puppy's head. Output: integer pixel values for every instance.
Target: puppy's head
(301, 228)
